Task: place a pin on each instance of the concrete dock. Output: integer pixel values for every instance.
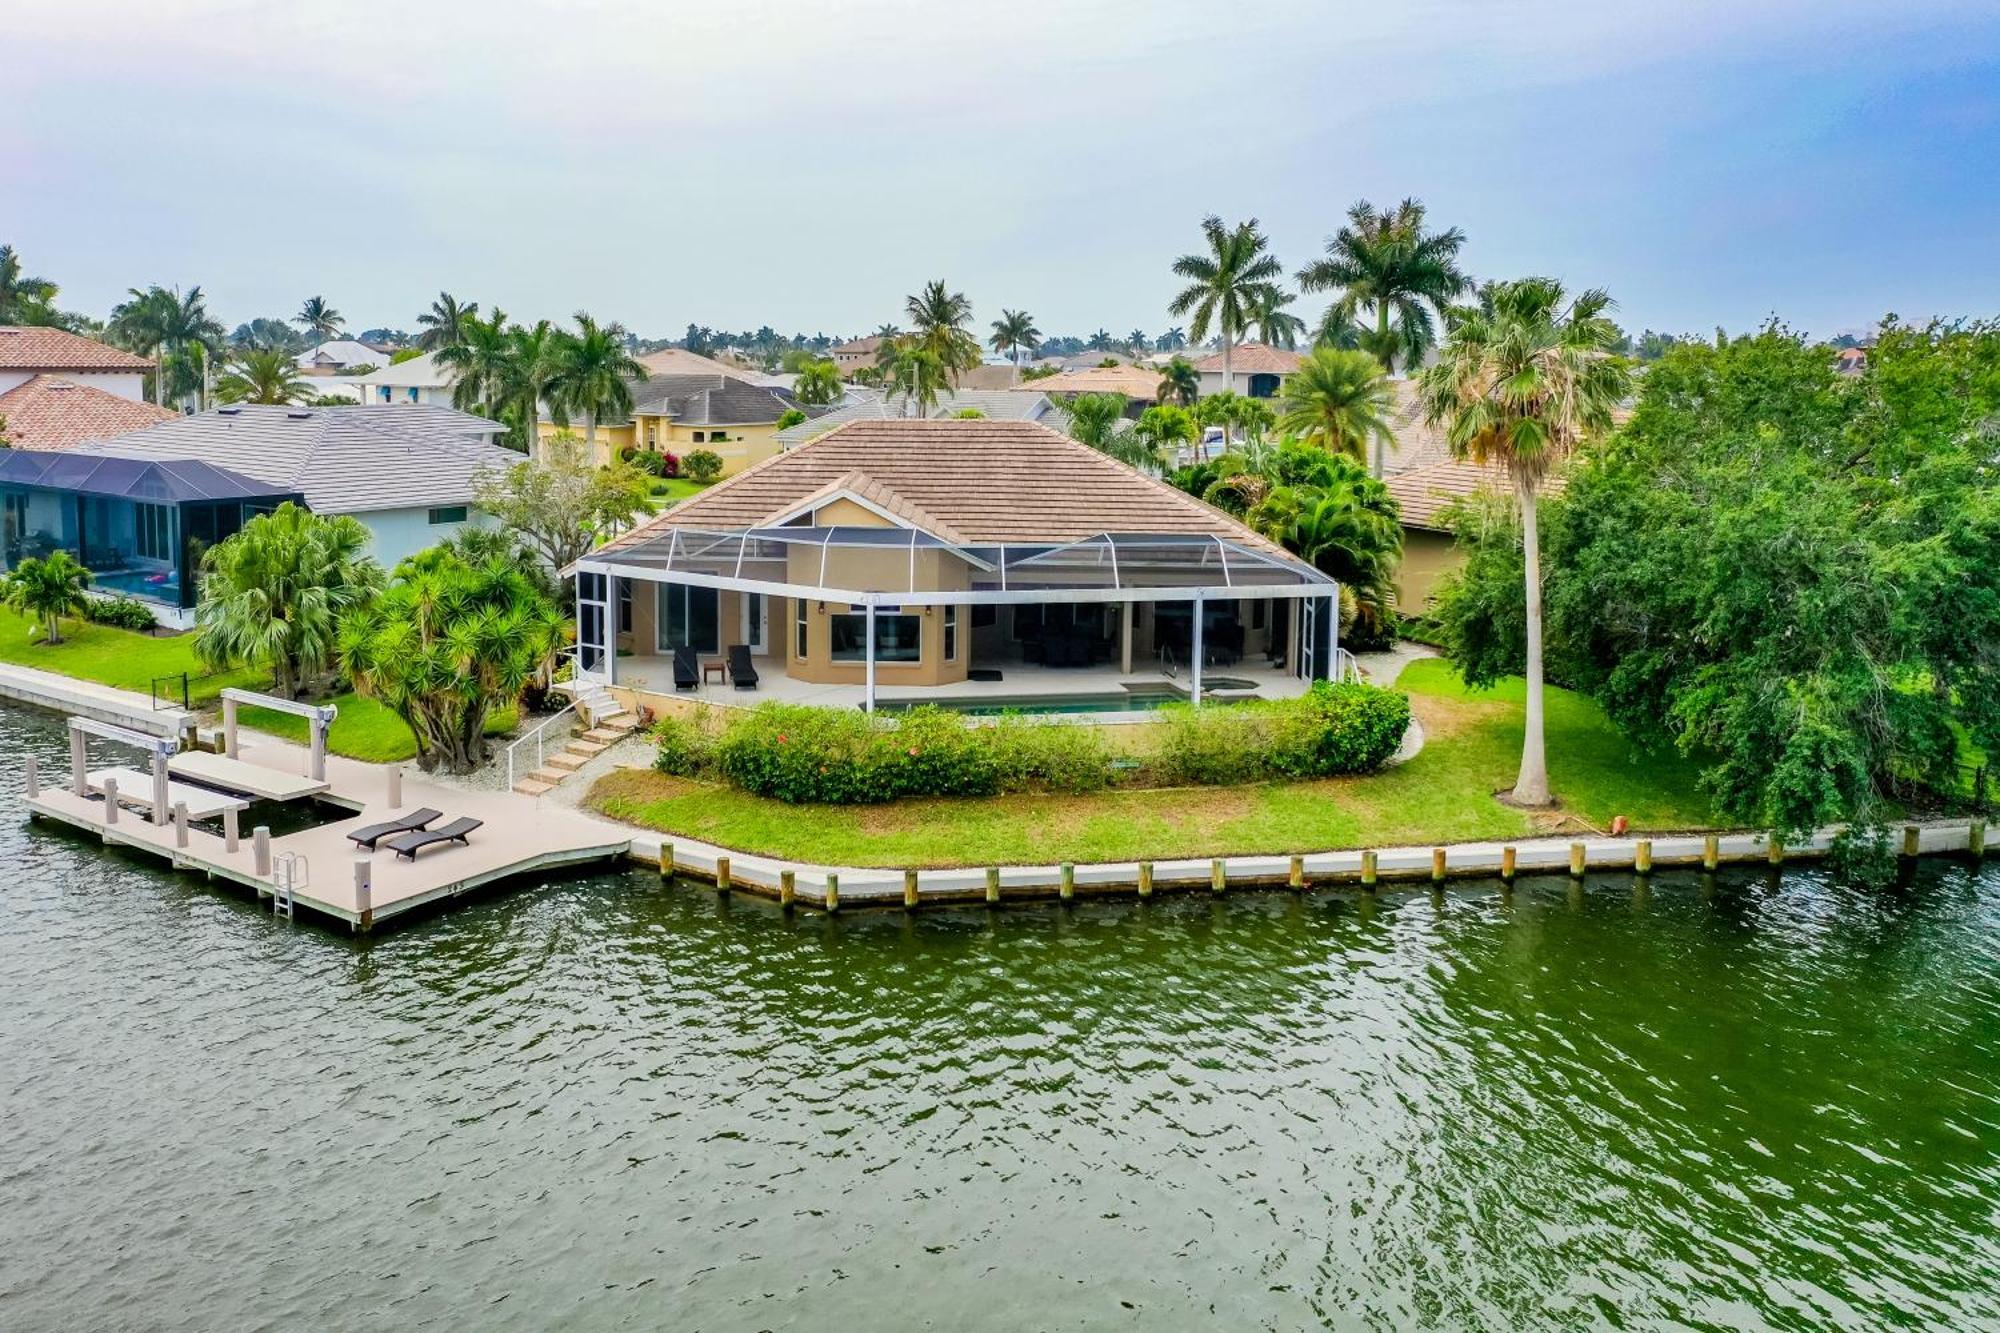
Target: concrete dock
(519, 836)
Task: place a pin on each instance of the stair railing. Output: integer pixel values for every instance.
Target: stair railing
(538, 738)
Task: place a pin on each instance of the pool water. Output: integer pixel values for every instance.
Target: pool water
(1135, 700)
(158, 587)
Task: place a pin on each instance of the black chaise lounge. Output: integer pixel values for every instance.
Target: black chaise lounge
(687, 671)
(742, 671)
(409, 844)
(409, 823)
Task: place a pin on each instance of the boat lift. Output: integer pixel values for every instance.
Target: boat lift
(319, 718)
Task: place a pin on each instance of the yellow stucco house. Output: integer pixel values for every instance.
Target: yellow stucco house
(676, 414)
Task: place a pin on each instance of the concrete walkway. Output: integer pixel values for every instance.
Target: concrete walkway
(86, 698)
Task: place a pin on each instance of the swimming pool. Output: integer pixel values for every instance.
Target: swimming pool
(1131, 699)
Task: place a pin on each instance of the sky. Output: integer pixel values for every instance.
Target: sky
(806, 165)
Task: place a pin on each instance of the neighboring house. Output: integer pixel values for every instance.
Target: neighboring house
(1093, 360)
(857, 355)
(331, 358)
(935, 558)
(1139, 384)
(421, 379)
(673, 414)
(27, 351)
(49, 412)
(1258, 369)
(406, 472)
(999, 404)
(1851, 361)
(680, 361)
(991, 375)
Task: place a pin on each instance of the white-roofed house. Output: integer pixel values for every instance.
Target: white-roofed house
(420, 379)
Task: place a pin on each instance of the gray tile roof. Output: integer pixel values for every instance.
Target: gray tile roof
(343, 459)
(999, 404)
(710, 400)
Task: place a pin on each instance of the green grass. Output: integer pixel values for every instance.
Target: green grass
(363, 730)
(1444, 795)
(116, 657)
(669, 491)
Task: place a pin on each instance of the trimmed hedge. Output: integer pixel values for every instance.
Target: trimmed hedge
(804, 755)
(121, 611)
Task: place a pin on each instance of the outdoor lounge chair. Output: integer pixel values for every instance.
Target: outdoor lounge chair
(742, 671)
(687, 670)
(409, 844)
(409, 823)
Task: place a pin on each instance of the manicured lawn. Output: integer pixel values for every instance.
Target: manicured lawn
(1445, 794)
(363, 730)
(669, 491)
(116, 657)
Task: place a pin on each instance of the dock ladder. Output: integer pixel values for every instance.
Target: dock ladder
(290, 872)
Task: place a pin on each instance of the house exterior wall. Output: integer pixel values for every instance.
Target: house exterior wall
(396, 533)
(407, 393)
(1211, 382)
(124, 383)
(1427, 557)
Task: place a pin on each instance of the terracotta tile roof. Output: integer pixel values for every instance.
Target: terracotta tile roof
(1424, 493)
(28, 347)
(1136, 382)
(48, 412)
(982, 482)
(1254, 358)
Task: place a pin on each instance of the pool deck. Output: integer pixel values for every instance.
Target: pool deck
(520, 836)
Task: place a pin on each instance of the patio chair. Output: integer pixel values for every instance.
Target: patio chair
(742, 671)
(409, 844)
(373, 833)
(687, 670)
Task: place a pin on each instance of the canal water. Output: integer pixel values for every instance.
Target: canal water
(610, 1103)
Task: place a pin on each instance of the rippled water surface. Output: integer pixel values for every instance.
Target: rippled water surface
(608, 1103)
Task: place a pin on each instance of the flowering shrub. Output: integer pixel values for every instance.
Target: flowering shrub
(702, 464)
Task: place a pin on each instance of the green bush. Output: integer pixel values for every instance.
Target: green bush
(1038, 756)
(701, 465)
(686, 747)
(1332, 731)
(121, 612)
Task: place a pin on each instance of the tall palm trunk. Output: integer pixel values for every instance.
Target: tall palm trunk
(590, 432)
(1531, 787)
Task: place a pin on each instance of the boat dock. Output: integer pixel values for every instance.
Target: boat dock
(319, 868)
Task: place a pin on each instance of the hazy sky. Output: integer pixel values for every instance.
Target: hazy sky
(805, 165)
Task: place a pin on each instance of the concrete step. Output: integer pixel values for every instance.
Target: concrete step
(583, 745)
(530, 787)
(620, 722)
(567, 762)
(549, 775)
(607, 735)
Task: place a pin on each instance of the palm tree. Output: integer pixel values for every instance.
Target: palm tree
(1338, 329)
(1014, 332)
(1339, 400)
(1140, 344)
(263, 375)
(523, 379)
(1094, 419)
(941, 320)
(479, 361)
(177, 330)
(1100, 341)
(1164, 432)
(1387, 262)
(1180, 382)
(444, 322)
(914, 372)
(1522, 381)
(23, 300)
(275, 592)
(1344, 523)
(1225, 283)
(887, 331)
(46, 589)
(318, 318)
(1275, 325)
(818, 383)
(1173, 339)
(594, 375)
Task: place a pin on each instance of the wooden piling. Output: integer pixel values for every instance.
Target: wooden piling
(1711, 853)
(1576, 860)
(1368, 872)
(229, 830)
(1145, 879)
(1911, 836)
(788, 888)
(909, 890)
(1509, 859)
(1642, 856)
(992, 885)
(364, 892)
(180, 824)
(832, 893)
(31, 774)
(666, 860)
(1067, 883)
(1774, 850)
(260, 850)
(722, 874)
(1218, 875)
(1975, 838)
(1437, 865)
(1296, 876)
(395, 788)
(110, 800)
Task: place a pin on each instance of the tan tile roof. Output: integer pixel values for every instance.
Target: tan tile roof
(1416, 443)
(1136, 382)
(980, 482)
(1254, 358)
(48, 412)
(1424, 493)
(28, 347)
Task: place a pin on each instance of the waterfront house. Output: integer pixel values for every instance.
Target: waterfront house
(405, 472)
(676, 414)
(50, 412)
(857, 354)
(1258, 370)
(956, 560)
(30, 350)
